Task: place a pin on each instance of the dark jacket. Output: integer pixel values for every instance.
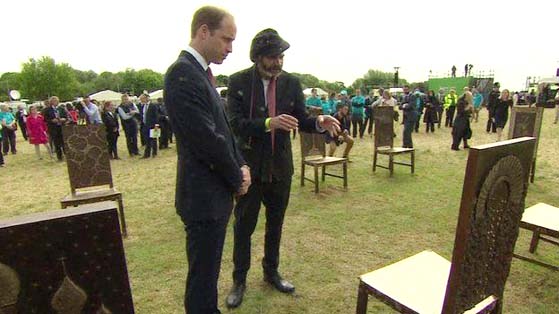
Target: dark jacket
(208, 168)
(410, 111)
(248, 113)
(152, 115)
(110, 121)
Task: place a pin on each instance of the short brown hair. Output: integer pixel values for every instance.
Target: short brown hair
(209, 15)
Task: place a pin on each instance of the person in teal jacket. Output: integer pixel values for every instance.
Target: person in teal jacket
(313, 103)
(326, 106)
(357, 113)
(478, 100)
(1, 156)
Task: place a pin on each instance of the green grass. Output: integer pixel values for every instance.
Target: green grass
(329, 239)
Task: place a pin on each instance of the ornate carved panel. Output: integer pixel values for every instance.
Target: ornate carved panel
(384, 126)
(67, 261)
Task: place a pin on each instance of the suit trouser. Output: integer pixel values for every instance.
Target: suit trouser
(165, 135)
(112, 139)
(449, 116)
(131, 134)
(491, 126)
(151, 143)
(357, 121)
(9, 139)
(23, 128)
(275, 196)
(409, 125)
(55, 134)
(204, 246)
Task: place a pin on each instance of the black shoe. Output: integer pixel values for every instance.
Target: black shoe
(235, 297)
(279, 283)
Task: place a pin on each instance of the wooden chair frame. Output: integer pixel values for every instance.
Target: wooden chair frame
(313, 153)
(527, 122)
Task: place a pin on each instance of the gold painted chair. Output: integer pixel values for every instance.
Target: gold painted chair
(89, 168)
(313, 153)
(384, 141)
(492, 203)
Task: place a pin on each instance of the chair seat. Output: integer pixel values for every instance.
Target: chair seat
(417, 282)
(319, 160)
(98, 195)
(542, 215)
(394, 150)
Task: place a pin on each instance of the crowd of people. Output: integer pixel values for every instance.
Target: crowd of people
(41, 125)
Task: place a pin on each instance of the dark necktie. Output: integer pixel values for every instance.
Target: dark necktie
(211, 76)
(271, 100)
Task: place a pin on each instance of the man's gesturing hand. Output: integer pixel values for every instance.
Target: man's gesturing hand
(284, 122)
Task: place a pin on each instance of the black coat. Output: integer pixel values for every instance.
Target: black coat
(152, 115)
(208, 169)
(111, 122)
(246, 90)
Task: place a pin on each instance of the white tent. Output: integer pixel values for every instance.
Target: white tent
(107, 95)
(156, 94)
(319, 91)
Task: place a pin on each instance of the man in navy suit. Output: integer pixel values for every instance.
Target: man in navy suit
(210, 168)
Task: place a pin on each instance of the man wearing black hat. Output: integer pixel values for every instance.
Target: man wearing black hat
(264, 105)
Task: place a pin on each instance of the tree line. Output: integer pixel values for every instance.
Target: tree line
(42, 78)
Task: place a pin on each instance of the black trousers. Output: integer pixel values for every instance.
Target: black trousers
(417, 123)
(357, 121)
(449, 116)
(131, 134)
(165, 135)
(368, 124)
(491, 126)
(1, 155)
(275, 196)
(430, 126)
(204, 247)
(112, 139)
(55, 134)
(408, 129)
(23, 128)
(9, 140)
(151, 143)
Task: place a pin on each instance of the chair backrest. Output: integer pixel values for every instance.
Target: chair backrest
(87, 157)
(526, 122)
(312, 144)
(384, 126)
(492, 204)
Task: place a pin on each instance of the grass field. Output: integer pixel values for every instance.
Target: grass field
(329, 239)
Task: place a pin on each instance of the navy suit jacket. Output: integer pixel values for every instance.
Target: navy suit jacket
(208, 169)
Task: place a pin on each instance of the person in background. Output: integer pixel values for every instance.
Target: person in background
(150, 124)
(515, 98)
(478, 100)
(408, 106)
(431, 114)
(334, 141)
(110, 121)
(21, 118)
(461, 130)
(92, 111)
(164, 124)
(357, 113)
(1, 155)
(313, 103)
(492, 102)
(440, 108)
(368, 123)
(556, 108)
(501, 113)
(37, 132)
(73, 114)
(127, 111)
(450, 107)
(419, 106)
(9, 127)
(326, 108)
(55, 120)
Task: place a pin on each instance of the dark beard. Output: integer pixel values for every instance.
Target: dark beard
(267, 72)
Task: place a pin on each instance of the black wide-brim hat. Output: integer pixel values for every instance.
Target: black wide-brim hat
(267, 43)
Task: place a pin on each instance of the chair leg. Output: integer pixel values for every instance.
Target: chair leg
(412, 162)
(63, 205)
(323, 173)
(122, 219)
(391, 164)
(362, 299)
(302, 174)
(316, 179)
(533, 171)
(344, 171)
(375, 161)
(534, 242)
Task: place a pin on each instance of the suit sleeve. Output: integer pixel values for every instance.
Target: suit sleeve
(241, 123)
(192, 120)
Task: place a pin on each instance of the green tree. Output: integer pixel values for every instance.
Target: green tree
(43, 78)
(9, 81)
(222, 80)
(376, 79)
(136, 82)
(108, 80)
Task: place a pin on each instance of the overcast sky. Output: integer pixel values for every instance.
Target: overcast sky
(335, 41)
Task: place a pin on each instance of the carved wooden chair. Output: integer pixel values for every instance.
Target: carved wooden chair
(89, 168)
(543, 220)
(527, 122)
(384, 141)
(495, 186)
(313, 153)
